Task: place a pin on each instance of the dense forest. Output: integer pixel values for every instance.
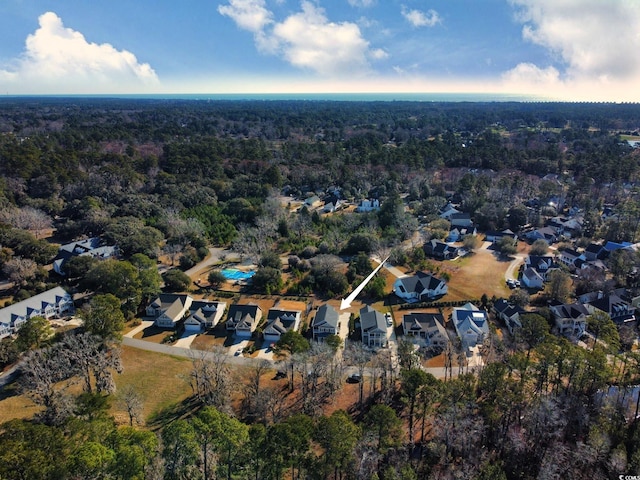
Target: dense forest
(170, 178)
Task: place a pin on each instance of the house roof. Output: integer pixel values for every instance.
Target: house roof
(243, 313)
(371, 320)
(531, 274)
(415, 323)
(612, 305)
(507, 309)
(282, 320)
(469, 317)
(570, 310)
(326, 316)
(420, 282)
(37, 302)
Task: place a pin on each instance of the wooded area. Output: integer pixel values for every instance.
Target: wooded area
(170, 178)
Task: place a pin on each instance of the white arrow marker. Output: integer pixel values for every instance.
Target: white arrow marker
(346, 302)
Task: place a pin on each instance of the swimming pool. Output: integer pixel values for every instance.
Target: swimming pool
(235, 274)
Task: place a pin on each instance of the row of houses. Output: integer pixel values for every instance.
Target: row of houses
(570, 319)
(54, 303)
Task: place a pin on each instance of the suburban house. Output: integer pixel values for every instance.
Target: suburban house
(570, 318)
(595, 251)
(568, 257)
(169, 308)
(426, 327)
(243, 319)
(532, 279)
(618, 309)
(50, 304)
(493, 236)
(280, 321)
(373, 326)
(457, 234)
(471, 324)
(313, 202)
(447, 211)
(325, 323)
(91, 247)
(421, 286)
(461, 220)
(547, 234)
(509, 314)
(204, 314)
(440, 250)
(368, 205)
(542, 264)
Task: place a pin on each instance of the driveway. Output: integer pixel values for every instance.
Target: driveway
(144, 324)
(186, 339)
(512, 269)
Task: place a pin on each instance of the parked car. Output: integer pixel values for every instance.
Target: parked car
(354, 378)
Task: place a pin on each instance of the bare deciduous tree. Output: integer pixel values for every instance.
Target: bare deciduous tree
(19, 270)
(211, 376)
(131, 400)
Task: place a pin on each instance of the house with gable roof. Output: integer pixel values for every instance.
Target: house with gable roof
(532, 279)
(427, 328)
(570, 318)
(495, 236)
(204, 314)
(440, 250)
(418, 287)
(471, 324)
(168, 309)
(619, 310)
(50, 304)
(243, 319)
(373, 326)
(509, 314)
(280, 321)
(92, 247)
(543, 264)
(325, 323)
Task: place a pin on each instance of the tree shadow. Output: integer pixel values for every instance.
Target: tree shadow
(175, 411)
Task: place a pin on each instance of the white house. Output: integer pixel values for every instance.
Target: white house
(421, 286)
(368, 205)
(532, 279)
(471, 324)
(427, 328)
(169, 308)
(243, 319)
(373, 326)
(50, 304)
(570, 318)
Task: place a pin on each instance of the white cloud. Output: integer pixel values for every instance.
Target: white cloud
(249, 15)
(591, 42)
(379, 54)
(418, 18)
(63, 61)
(361, 3)
(306, 39)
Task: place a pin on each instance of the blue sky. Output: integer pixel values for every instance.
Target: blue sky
(565, 49)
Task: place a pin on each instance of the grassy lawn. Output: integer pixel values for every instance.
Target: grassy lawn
(474, 275)
(160, 379)
(14, 405)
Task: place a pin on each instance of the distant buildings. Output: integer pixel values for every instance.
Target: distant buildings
(50, 304)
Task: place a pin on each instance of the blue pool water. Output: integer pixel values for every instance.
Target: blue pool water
(235, 274)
